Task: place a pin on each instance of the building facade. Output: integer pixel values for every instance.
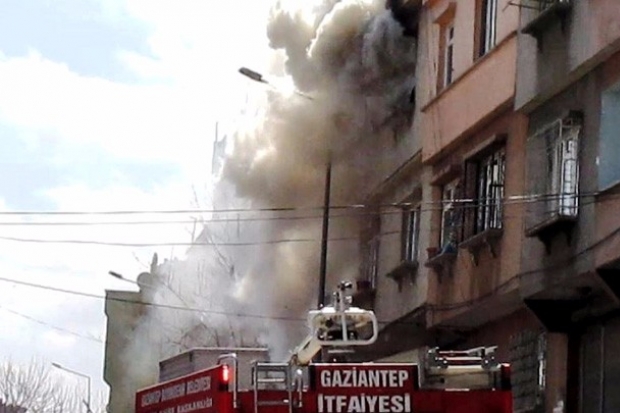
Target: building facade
(567, 76)
(123, 312)
(516, 186)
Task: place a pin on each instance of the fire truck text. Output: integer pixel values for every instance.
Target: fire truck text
(175, 391)
(364, 378)
(364, 403)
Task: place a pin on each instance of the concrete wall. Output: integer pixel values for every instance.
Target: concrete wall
(590, 35)
(122, 317)
(458, 122)
(468, 281)
(481, 86)
(394, 299)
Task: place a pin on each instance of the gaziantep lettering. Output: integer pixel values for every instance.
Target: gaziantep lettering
(364, 378)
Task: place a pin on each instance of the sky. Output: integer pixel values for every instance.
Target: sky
(105, 105)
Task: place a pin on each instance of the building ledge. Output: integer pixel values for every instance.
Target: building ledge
(442, 263)
(488, 238)
(471, 69)
(556, 315)
(547, 229)
(541, 23)
(406, 269)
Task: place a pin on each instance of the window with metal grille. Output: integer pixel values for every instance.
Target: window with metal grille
(484, 183)
(562, 167)
(410, 234)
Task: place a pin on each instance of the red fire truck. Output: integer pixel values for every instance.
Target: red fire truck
(442, 382)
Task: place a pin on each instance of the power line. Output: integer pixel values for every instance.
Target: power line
(512, 199)
(230, 244)
(52, 326)
(434, 307)
(457, 205)
(145, 303)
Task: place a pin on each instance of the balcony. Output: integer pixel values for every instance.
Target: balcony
(487, 87)
(488, 238)
(550, 11)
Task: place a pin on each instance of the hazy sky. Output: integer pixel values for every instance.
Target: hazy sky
(105, 105)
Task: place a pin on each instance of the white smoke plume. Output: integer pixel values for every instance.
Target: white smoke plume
(354, 61)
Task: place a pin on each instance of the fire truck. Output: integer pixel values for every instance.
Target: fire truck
(441, 382)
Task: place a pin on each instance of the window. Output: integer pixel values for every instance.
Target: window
(609, 150)
(448, 58)
(446, 40)
(553, 157)
(487, 26)
(410, 235)
(370, 251)
(371, 261)
(484, 182)
(562, 168)
(449, 218)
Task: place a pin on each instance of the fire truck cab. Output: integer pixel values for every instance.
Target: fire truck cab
(441, 382)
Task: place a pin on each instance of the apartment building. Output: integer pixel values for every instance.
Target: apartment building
(450, 275)
(124, 312)
(567, 87)
(473, 148)
(513, 183)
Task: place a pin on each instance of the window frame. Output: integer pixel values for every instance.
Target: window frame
(449, 211)
(486, 33)
(370, 247)
(448, 54)
(485, 183)
(561, 142)
(410, 234)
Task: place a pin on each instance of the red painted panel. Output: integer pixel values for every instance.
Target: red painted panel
(194, 393)
(362, 388)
